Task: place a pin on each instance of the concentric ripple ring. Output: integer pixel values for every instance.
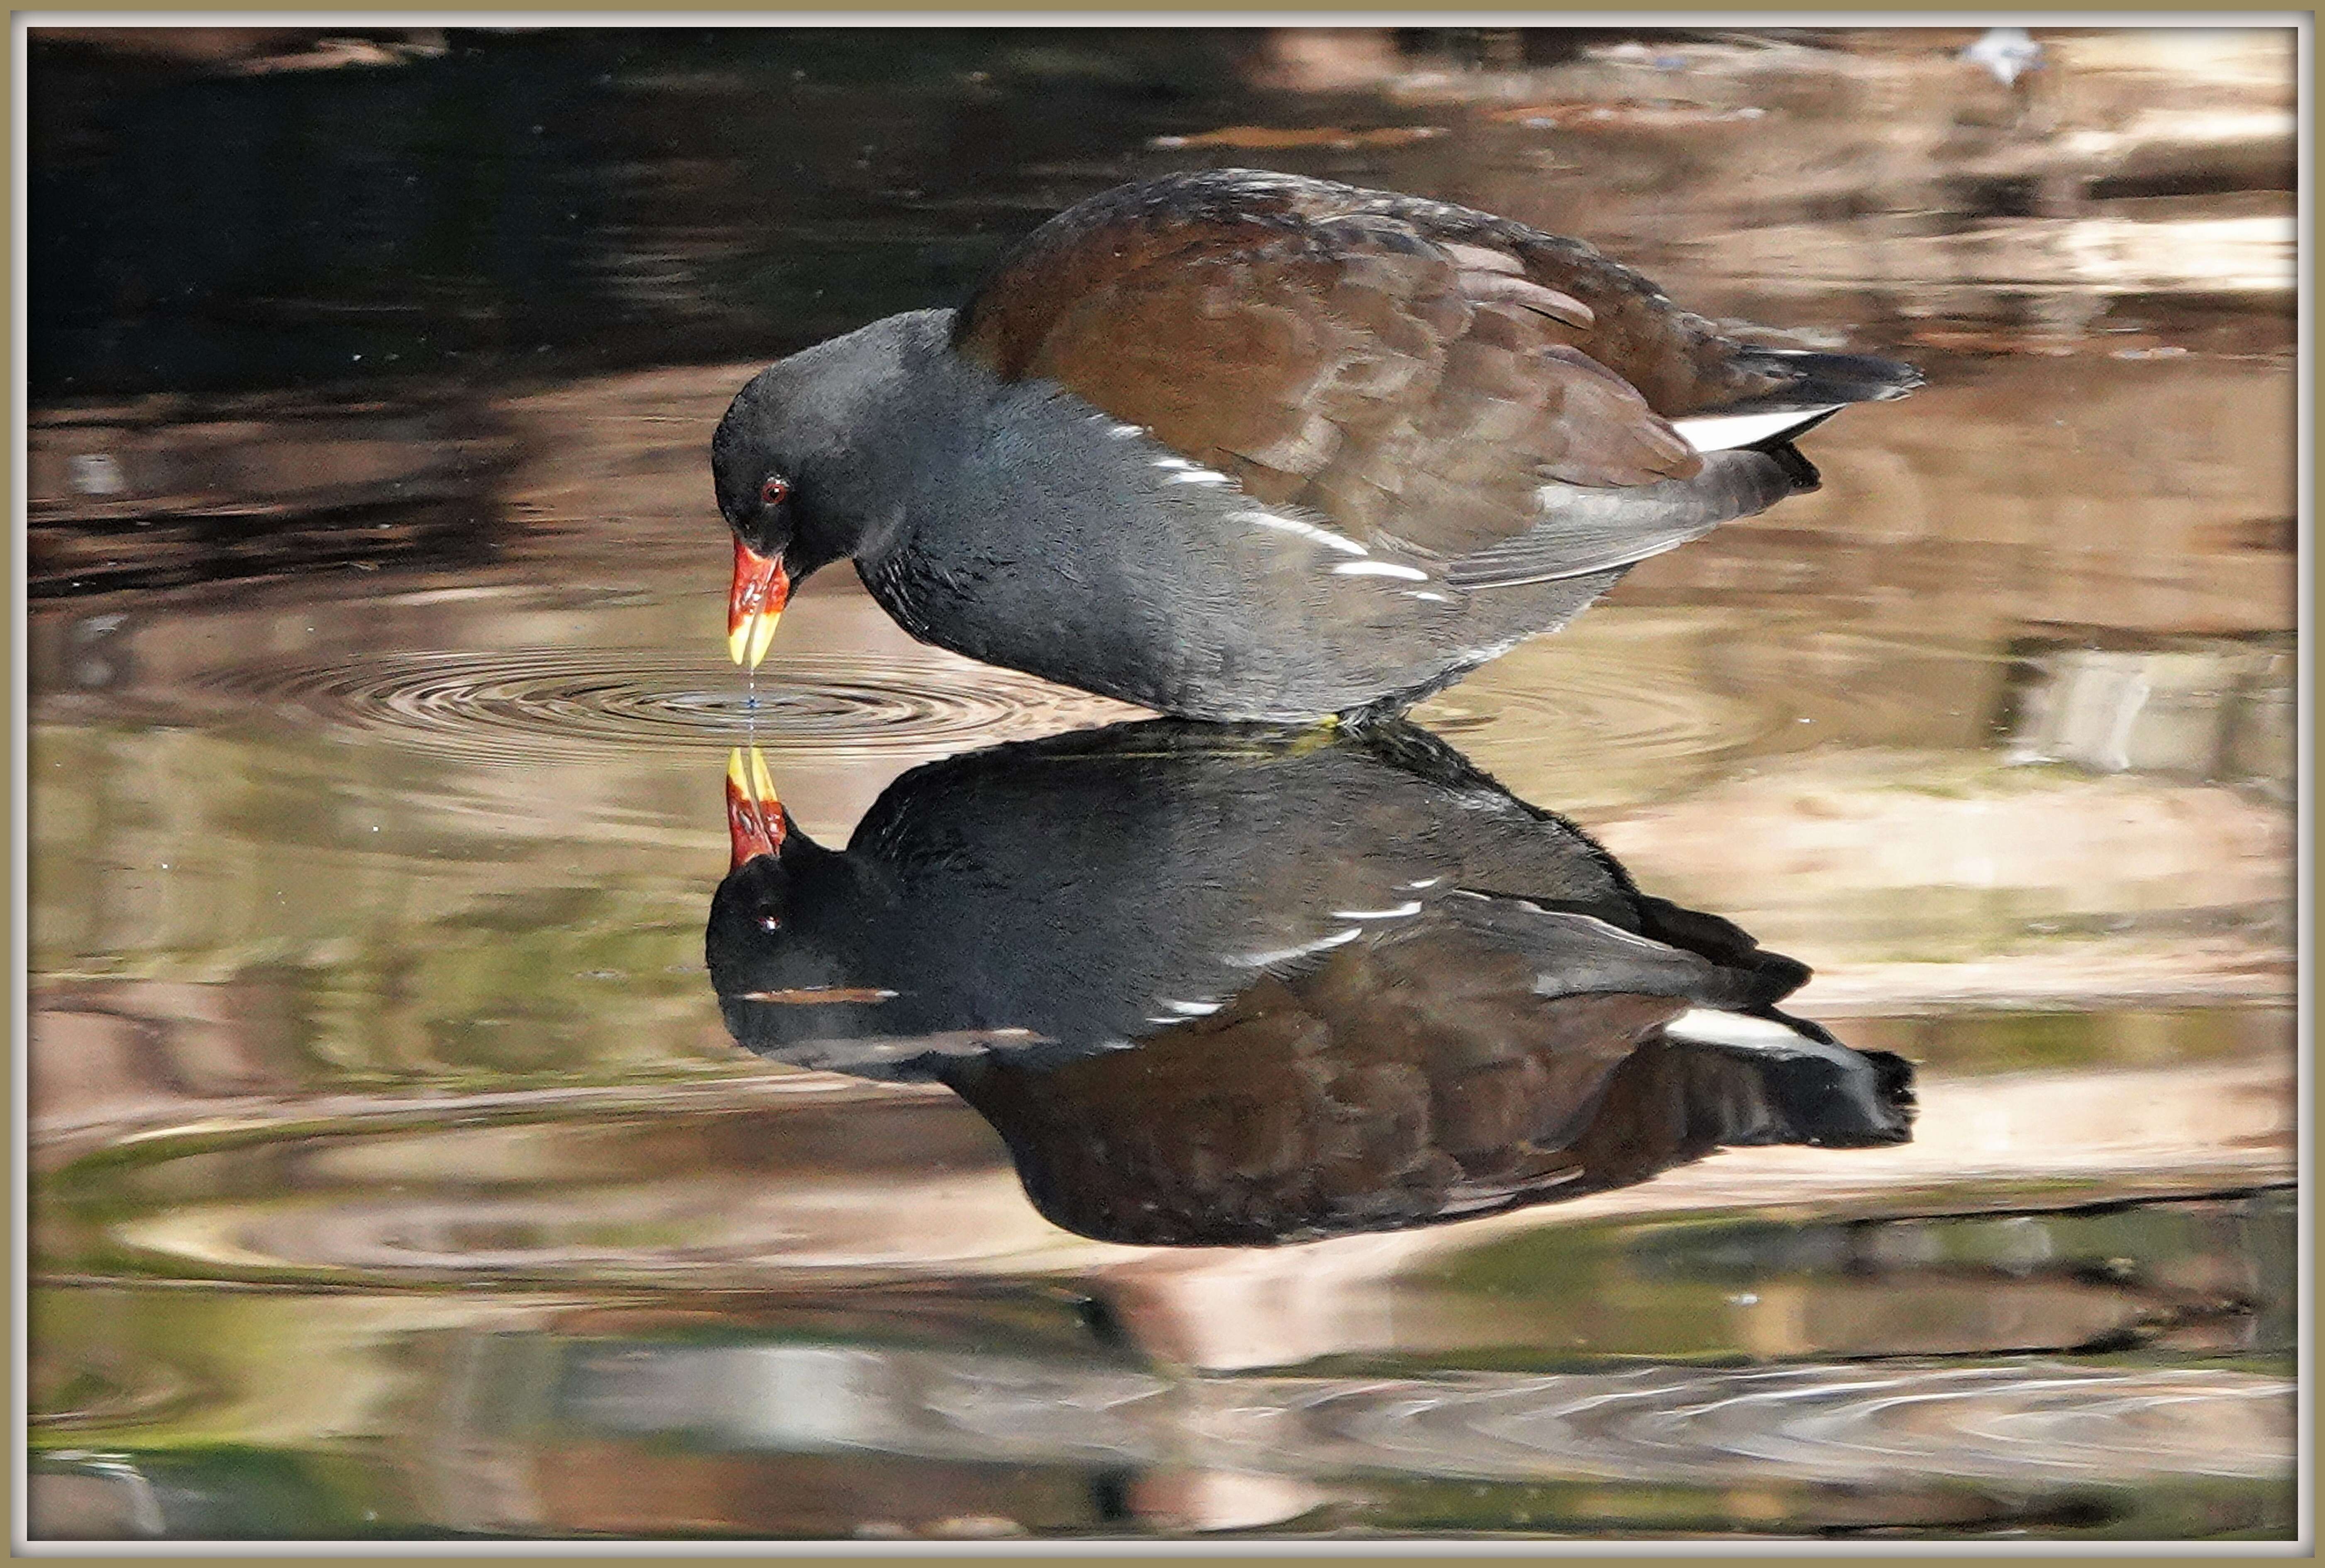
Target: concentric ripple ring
(511, 705)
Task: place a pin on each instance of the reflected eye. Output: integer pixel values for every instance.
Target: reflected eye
(773, 492)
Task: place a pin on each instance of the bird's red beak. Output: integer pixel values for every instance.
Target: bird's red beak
(755, 604)
(754, 817)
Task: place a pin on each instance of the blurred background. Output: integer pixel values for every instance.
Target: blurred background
(391, 1173)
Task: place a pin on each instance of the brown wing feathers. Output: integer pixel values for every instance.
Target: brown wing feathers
(1411, 370)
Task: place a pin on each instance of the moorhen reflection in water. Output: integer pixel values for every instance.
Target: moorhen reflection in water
(1245, 984)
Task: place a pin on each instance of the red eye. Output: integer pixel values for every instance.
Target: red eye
(773, 492)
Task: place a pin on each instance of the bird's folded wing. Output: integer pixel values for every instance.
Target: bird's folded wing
(1412, 371)
(1572, 952)
(1582, 529)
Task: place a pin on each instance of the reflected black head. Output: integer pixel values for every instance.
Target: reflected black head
(750, 920)
(1859, 1105)
(786, 930)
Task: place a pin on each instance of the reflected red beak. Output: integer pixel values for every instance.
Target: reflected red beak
(754, 817)
(755, 604)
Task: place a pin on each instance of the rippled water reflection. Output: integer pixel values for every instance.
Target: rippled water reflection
(510, 708)
(395, 1173)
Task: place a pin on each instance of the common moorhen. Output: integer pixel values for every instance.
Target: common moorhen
(1233, 983)
(1232, 444)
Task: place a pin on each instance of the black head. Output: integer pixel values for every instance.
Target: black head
(780, 493)
(757, 473)
(809, 458)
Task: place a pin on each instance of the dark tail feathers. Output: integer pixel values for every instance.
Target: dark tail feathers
(1812, 378)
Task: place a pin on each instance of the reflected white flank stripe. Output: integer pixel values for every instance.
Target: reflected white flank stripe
(1741, 1031)
(1260, 960)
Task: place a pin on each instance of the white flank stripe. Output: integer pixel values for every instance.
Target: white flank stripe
(1324, 536)
(1411, 908)
(1198, 476)
(1378, 569)
(1719, 432)
(1191, 1009)
(1431, 598)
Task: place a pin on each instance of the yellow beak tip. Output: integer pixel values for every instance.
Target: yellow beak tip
(762, 635)
(747, 643)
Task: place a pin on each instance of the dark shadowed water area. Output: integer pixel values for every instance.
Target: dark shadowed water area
(428, 1137)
